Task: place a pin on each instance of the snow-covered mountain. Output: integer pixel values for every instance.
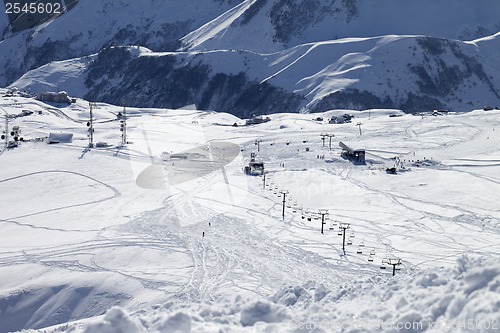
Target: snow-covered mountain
(273, 25)
(412, 73)
(265, 56)
(94, 24)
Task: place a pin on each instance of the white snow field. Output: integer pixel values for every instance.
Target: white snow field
(167, 233)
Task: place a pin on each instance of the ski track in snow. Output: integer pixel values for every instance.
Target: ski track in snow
(15, 219)
(437, 227)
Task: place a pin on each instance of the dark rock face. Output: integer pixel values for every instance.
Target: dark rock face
(166, 38)
(290, 18)
(160, 81)
(362, 100)
(437, 78)
(252, 11)
(352, 99)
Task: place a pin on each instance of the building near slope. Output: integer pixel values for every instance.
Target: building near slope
(357, 156)
(60, 97)
(257, 120)
(254, 168)
(60, 138)
(346, 118)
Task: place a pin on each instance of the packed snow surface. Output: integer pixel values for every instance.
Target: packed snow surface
(167, 233)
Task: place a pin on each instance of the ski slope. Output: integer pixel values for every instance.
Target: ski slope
(167, 234)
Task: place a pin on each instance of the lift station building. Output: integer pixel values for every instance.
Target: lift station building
(255, 168)
(355, 155)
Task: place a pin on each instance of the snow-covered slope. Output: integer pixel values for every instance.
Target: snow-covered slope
(272, 25)
(172, 231)
(324, 55)
(465, 299)
(94, 24)
(412, 73)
